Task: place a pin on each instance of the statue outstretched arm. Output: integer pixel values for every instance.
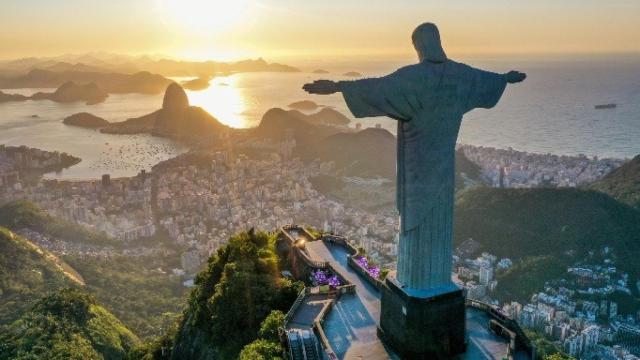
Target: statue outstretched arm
(513, 77)
(368, 97)
(322, 87)
(486, 87)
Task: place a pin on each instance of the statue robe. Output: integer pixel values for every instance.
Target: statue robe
(428, 100)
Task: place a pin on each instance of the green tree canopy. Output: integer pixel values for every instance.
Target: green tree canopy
(232, 297)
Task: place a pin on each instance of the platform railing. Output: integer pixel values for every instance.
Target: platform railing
(296, 304)
(506, 321)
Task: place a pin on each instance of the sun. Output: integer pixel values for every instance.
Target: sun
(205, 15)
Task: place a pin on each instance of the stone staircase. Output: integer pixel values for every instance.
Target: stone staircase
(303, 345)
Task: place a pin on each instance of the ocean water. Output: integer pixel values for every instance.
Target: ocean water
(551, 112)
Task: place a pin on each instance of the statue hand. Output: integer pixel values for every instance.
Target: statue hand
(321, 87)
(513, 77)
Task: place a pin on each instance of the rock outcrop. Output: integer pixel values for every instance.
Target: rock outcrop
(276, 123)
(304, 105)
(86, 120)
(70, 92)
(176, 119)
(329, 116)
(197, 84)
(4, 97)
(175, 98)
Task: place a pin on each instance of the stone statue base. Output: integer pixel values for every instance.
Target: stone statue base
(426, 325)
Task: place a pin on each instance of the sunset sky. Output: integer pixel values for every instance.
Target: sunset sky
(282, 29)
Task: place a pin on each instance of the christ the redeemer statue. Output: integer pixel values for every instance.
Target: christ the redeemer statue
(428, 100)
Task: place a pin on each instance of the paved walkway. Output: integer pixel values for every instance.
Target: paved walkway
(482, 343)
(308, 311)
(351, 325)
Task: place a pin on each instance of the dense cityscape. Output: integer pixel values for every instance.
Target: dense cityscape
(585, 329)
(510, 168)
(232, 193)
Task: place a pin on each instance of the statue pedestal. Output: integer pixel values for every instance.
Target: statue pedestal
(423, 325)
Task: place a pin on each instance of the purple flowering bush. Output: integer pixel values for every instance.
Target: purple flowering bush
(362, 261)
(334, 281)
(322, 277)
(372, 270)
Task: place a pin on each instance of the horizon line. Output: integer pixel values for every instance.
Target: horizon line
(337, 56)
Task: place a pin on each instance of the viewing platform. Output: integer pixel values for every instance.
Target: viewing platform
(346, 321)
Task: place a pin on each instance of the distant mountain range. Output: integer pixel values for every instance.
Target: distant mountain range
(114, 83)
(199, 68)
(115, 63)
(68, 92)
(103, 74)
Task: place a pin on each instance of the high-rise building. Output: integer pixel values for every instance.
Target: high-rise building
(613, 309)
(485, 275)
(106, 180)
(628, 337)
(589, 337)
(573, 345)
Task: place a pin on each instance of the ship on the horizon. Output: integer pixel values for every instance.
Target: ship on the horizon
(606, 106)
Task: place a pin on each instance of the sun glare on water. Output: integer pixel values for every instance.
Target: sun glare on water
(205, 15)
(224, 100)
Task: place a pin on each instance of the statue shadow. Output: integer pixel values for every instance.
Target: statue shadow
(349, 322)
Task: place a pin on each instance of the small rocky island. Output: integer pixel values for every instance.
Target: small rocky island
(70, 92)
(86, 120)
(197, 84)
(66, 93)
(304, 105)
(352, 74)
(326, 115)
(330, 117)
(4, 97)
(320, 71)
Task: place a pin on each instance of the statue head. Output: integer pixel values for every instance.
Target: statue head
(426, 40)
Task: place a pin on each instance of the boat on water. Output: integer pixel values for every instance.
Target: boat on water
(606, 106)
